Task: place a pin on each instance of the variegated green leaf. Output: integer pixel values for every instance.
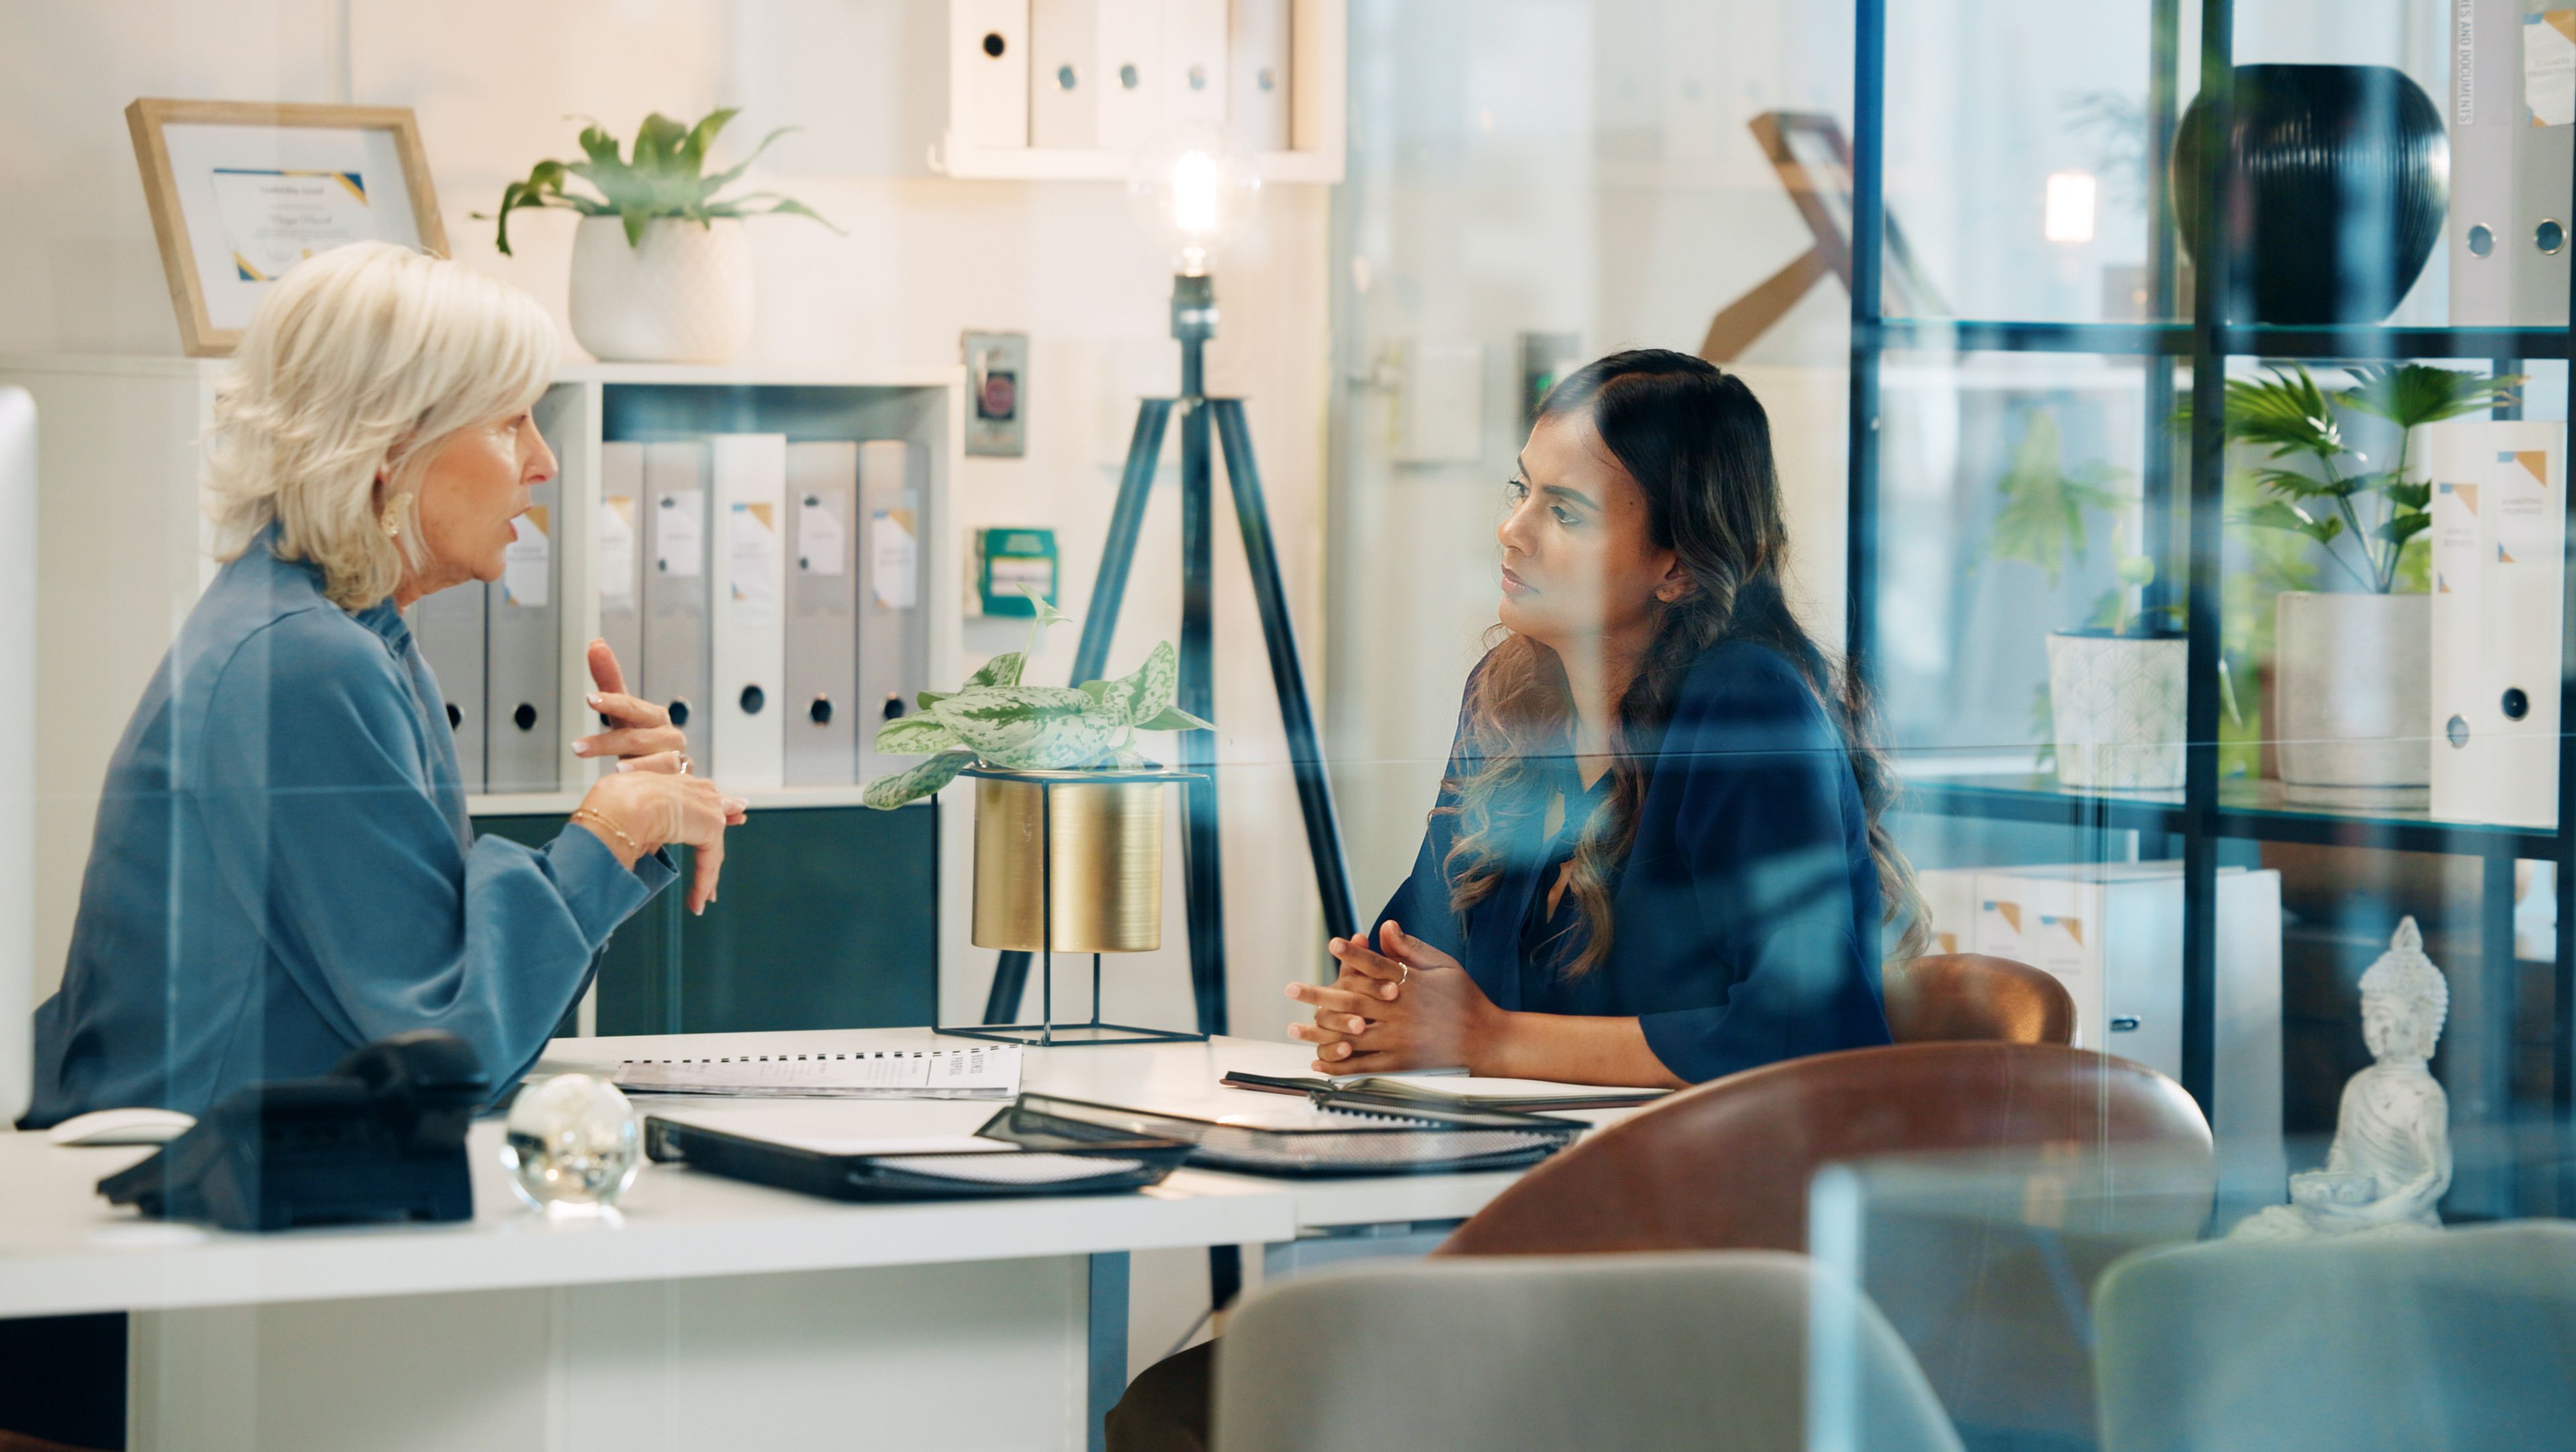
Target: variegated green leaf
(1144, 695)
(1043, 608)
(1173, 718)
(908, 734)
(998, 721)
(889, 792)
(1001, 670)
(1061, 744)
(927, 699)
(1096, 690)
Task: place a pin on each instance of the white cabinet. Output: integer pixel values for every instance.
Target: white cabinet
(1068, 89)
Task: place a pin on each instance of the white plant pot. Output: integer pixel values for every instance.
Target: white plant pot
(2117, 704)
(2352, 691)
(682, 295)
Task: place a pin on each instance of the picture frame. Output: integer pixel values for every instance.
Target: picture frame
(242, 191)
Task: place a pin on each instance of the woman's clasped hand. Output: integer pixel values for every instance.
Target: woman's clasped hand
(1412, 1007)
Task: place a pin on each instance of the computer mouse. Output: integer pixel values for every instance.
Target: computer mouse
(122, 1126)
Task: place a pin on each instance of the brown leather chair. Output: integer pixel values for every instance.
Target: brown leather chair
(1725, 1166)
(2042, 1165)
(1952, 996)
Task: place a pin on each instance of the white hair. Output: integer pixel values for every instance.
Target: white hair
(361, 362)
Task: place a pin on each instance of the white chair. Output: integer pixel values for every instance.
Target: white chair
(2461, 1339)
(1696, 1350)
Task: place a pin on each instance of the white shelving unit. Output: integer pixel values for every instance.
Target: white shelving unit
(125, 552)
(1318, 74)
(574, 416)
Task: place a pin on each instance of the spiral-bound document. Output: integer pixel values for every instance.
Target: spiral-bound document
(979, 1072)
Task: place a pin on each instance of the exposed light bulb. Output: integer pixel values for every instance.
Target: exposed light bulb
(2069, 212)
(1193, 193)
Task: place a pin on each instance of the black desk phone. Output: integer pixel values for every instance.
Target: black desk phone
(379, 1138)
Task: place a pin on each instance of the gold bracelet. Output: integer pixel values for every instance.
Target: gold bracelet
(585, 814)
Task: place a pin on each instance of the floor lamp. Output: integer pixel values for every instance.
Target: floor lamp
(1191, 189)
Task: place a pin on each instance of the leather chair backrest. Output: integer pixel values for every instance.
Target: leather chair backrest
(1952, 996)
(1726, 1165)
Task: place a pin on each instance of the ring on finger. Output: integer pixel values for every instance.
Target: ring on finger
(1406, 977)
(685, 764)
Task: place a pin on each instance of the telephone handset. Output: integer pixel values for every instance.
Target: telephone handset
(380, 1137)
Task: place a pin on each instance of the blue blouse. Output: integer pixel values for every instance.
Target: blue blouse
(1745, 919)
(283, 870)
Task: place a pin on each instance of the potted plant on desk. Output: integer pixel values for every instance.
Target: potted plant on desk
(1103, 843)
(2352, 676)
(661, 272)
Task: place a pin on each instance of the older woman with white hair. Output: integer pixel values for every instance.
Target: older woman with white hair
(283, 869)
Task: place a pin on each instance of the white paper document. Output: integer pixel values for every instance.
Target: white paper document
(981, 1072)
(679, 537)
(529, 558)
(617, 548)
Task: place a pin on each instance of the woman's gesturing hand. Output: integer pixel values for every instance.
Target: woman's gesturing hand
(655, 808)
(642, 737)
(1412, 1007)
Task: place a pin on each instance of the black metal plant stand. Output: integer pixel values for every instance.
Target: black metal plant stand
(1194, 319)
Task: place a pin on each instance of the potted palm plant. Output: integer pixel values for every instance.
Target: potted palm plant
(661, 272)
(2351, 674)
(1103, 813)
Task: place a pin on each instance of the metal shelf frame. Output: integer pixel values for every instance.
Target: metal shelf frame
(2183, 535)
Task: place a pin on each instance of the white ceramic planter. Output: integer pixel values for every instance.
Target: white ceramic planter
(2117, 704)
(2352, 690)
(683, 295)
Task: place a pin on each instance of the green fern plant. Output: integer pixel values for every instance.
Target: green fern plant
(2316, 484)
(663, 175)
(995, 721)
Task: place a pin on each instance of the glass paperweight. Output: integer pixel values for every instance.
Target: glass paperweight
(572, 1144)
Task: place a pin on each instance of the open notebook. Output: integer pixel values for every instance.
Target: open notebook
(978, 1072)
(1456, 1091)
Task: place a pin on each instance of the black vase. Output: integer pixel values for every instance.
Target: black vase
(2345, 173)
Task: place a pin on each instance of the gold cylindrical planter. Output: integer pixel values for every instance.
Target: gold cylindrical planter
(1106, 861)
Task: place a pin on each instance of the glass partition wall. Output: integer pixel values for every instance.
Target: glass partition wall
(2152, 654)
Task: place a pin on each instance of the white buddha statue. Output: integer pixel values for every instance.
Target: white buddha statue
(2391, 1158)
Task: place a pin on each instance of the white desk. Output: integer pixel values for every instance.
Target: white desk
(711, 1314)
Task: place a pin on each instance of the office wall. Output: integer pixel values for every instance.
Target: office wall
(1571, 166)
(923, 257)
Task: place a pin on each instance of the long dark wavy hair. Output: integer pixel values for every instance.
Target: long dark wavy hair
(1699, 446)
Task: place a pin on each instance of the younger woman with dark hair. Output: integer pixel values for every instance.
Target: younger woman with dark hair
(1657, 856)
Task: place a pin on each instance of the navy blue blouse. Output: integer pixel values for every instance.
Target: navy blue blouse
(1745, 919)
(283, 870)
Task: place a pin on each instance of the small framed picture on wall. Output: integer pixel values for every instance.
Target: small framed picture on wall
(242, 191)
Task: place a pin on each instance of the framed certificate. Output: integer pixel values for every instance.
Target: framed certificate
(241, 192)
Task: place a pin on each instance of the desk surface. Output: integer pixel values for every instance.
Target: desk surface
(63, 1249)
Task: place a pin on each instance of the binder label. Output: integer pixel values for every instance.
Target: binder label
(2549, 67)
(524, 564)
(754, 539)
(893, 556)
(679, 541)
(821, 545)
(617, 548)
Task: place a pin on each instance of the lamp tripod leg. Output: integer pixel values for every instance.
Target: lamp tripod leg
(1287, 676)
(1202, 860)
